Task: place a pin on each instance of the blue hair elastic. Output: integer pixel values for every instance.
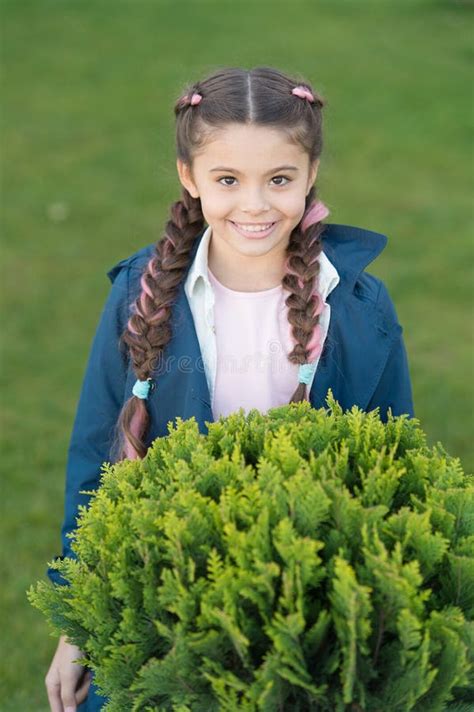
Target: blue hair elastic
(142, 388)
(305, 373)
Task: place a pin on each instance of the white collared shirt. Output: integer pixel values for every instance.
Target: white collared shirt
(200, 294)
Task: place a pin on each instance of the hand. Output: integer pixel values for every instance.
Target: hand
(67, 682)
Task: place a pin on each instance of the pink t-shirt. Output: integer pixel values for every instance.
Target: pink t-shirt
(253, 339)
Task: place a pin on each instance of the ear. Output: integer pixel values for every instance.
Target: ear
(313, 172)
(186, 179)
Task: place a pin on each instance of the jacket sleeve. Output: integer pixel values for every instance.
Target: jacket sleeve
(393, 389)
(100, 402)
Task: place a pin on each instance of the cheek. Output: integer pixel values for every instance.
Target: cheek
(216, 203)
(292, 204)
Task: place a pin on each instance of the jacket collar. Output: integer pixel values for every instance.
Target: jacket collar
(351, 249)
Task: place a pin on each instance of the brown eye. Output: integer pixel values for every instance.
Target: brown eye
(284, 178)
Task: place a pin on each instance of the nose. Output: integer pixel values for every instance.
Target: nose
(255, 202)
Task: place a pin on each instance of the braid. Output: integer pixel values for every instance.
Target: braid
(304, 303)
(148, 330)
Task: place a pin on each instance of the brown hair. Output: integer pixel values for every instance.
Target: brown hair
(261, 96)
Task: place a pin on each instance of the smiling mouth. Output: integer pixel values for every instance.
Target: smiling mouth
(253, 227)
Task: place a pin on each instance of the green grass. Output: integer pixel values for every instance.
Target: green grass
(87, 121)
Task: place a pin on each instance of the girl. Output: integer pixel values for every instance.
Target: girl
(249, 300)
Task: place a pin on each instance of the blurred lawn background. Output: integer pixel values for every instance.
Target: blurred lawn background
(88, 175)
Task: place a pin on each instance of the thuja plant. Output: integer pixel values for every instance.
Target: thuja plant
(296, 560)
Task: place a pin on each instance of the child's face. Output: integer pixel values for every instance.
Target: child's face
(250, 191)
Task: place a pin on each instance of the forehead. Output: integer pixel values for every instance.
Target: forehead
(245, 145)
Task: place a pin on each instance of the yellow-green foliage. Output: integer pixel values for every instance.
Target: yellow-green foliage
(299, 560)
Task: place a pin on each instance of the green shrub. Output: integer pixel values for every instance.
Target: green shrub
(296, 560)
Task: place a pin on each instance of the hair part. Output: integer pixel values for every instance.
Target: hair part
(261, 96)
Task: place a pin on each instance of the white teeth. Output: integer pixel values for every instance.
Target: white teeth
(254, 228)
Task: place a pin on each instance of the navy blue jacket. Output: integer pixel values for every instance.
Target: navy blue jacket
(364, 361)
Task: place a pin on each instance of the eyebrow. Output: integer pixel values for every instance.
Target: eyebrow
(274, 170)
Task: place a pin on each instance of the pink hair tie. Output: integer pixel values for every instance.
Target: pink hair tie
(195, 99)
(317, 212)
(303, 93)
